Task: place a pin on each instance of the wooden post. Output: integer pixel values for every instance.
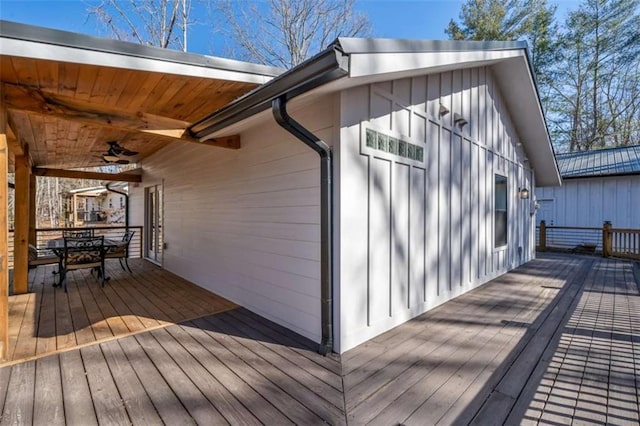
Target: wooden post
(21, 234)
(33, 239)
(4, 252)
(606, 239)
(543, 236)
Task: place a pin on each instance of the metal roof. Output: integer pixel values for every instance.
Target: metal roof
(602, 162)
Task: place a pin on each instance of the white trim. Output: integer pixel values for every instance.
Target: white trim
(33, 50)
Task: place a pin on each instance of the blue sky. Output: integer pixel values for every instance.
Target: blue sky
(422, 19)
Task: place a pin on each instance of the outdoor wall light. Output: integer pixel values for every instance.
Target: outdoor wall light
(459, 120)
(523, 193)
(443, 110)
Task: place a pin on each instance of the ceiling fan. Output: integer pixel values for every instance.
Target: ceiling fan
(115, 151)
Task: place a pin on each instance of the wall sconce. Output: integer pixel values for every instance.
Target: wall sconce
(523, 193)
(459, 120)
(443, 110)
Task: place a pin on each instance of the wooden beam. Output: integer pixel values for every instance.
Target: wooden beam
(32, 211)
(79, 174)
(15, 147)
(34, 101)
(21, 228)
(4, 244)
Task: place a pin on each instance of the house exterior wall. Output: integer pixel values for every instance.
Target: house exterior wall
(414, 234)
(245, 223)
(589, 202)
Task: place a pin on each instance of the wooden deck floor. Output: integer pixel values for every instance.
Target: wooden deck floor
(553, 342)
(47, 320)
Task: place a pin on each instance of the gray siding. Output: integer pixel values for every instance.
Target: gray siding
(416, 235)
(245, 224)
(589, 202)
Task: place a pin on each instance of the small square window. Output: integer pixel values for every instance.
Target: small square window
(419, 153)
(393, 146)
(402, 149)
(383, 140)
(411, 151)
(371, 138)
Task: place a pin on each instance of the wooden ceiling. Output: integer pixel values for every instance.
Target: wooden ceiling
(67, 112)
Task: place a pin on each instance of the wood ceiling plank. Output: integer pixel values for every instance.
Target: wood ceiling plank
(211, 98)
(102, 84)
(152, 99)
(25, 71)
(86, 79)
(137, 91)
(118, 86)
(179, 105)
(48, 76)
(7, 73)
(68, 78)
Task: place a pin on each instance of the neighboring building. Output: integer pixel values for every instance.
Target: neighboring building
(598, 186)
(95, 206)
(431, 142)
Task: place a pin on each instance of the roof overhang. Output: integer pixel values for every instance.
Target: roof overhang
(66, 95)
(367, 61)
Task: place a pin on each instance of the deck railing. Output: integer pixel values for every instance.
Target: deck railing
(623, 243)
(607, 240)
(112, 232)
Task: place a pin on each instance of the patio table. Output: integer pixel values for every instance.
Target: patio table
(56, 245)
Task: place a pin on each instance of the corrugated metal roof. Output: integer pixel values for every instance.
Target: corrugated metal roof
(602, 162)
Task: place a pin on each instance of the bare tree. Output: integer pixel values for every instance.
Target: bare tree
(161, 23)
(286, 32)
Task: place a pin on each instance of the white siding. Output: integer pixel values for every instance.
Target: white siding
(591, 201)
(245, 224)
(413, 236)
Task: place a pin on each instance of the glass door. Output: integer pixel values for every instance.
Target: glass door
(153, 224)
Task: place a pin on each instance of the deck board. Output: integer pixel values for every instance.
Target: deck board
(78, 404)
(555, 341)
(47, 320)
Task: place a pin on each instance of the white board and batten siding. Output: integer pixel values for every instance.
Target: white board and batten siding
(588, 202)
(245, 223)
(414, 234)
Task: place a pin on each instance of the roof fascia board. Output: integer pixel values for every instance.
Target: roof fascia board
(367, 64)
(521, 95)
(43, 43)
(351, 45)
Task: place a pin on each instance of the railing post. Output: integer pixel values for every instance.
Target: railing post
(606, 239)
(543, 236)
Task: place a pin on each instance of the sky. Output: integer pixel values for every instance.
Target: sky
(416, 19)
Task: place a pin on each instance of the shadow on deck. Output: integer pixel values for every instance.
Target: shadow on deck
(554, 342)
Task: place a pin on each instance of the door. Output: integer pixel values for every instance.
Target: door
(153, 224)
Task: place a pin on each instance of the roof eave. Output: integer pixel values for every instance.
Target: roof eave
(329, 65)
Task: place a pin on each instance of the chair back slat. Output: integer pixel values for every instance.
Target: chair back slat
(73, 233)
(80, 251)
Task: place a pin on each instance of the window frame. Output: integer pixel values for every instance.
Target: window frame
(498, 245)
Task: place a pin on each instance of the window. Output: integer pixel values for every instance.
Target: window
(500, 211)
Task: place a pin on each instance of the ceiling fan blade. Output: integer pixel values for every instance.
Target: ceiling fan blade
(122, 162)
(128, 153)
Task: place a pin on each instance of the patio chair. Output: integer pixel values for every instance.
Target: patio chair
(38, 258)
(83, 253)
(73, 233)
(121, 252)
